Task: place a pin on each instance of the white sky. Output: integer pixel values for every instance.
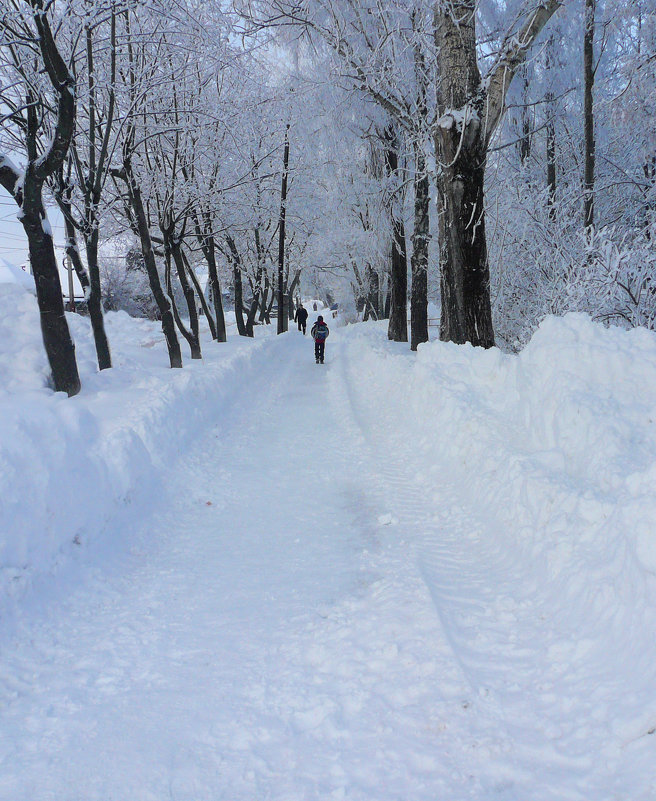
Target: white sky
(13, 241)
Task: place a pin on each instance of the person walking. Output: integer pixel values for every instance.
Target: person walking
(301, 318)
(319, 332)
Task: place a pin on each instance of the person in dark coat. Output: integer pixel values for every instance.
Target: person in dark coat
(319, 332)
(301, 318)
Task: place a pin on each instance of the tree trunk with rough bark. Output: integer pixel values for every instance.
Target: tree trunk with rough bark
(421, 231)
(468, 114)
(419, 259)
(57, 340)
(397, 329)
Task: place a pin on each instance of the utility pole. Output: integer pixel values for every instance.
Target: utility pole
(68, 263)
(282, 317)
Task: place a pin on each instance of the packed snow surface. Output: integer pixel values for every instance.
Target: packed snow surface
(394, 576)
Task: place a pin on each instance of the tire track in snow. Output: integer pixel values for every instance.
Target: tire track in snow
(444, 546)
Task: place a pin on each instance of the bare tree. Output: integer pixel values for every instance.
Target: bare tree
(36, 116)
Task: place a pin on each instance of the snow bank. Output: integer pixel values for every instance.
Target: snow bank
(69, 466)
(556, 445)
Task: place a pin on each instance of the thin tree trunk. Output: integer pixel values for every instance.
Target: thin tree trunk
(201, 295)
(282, 317)
(252, 312)
(190, 298)
(264, 302)
(525, 141)
(217, 297)
(588, 113)
(168, 323)
(94, 301)
(373, 290)
(89, 281)
(551, 168)
(208, 246)
(238, 288)
(174, 306)
(550, 134)
(397, 330)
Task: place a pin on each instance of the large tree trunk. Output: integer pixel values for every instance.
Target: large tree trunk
(421, 232)
(469, 112)
(57, 340)
(465, 278)
(397, 329)
(419, 260)
(461, 150)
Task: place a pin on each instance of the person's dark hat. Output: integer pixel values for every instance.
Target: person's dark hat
(319, 319)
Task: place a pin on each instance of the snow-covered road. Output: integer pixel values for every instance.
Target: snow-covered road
(310, 610)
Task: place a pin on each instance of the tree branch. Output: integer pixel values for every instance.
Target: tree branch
(511, 56)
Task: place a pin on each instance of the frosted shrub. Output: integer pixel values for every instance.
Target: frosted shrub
(624, 275)
(608, 273)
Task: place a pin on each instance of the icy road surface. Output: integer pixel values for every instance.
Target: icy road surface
(311, 611)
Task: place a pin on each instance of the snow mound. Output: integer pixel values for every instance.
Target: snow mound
(557, 444)
(70, 466)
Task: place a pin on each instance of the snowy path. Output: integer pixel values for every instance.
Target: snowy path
(307, 615)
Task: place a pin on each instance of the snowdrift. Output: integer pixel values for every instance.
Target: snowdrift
(557, 444)
(69, 467)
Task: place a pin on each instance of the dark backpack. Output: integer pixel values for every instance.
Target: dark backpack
(321, 332)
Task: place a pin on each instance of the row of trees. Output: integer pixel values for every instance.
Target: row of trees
(143, 127)
(341, 145)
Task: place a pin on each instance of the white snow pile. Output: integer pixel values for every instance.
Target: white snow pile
(70, 466)
(556, 444)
